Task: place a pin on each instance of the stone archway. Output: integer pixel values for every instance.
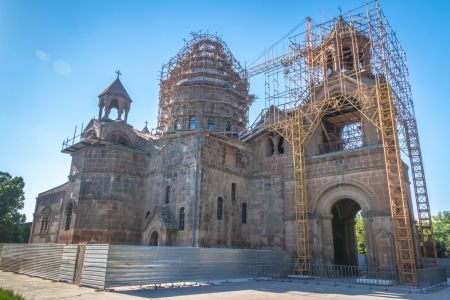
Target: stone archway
(154, 239)
(345, 246)
(323, 205)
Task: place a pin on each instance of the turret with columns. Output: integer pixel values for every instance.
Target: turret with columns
(114, 96)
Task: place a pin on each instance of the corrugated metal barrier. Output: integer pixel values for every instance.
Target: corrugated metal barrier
(94, 266)
(138, 265)
(51, 261)
(106, 266)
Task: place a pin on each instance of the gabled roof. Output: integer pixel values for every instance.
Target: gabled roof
(165, 216)
(116, 88)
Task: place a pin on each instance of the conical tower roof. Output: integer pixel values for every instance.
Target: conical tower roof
(116, 88)
(342, 28)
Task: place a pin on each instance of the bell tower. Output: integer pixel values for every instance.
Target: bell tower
(114, 96)
(344, 51)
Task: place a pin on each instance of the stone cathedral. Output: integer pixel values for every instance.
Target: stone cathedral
(206, 178)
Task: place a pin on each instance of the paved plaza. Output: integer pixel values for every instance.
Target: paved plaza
(36, 288)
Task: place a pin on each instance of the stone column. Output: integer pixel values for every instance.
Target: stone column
(327, 238)
(351, 243)
(368, 237)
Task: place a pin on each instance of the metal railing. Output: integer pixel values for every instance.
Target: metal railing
(350, 275)
(354, 275)
(341, 145)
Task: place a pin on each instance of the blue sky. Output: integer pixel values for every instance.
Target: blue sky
(57, 56)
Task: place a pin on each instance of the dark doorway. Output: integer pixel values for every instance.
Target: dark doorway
(154, 239)
(344, 237)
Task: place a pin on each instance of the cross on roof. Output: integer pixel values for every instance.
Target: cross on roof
(146, 123)
(118, 73)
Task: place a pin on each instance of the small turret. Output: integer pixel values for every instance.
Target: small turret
(114, 96)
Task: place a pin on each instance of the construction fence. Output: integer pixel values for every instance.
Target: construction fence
(111, 266)
(108, 266)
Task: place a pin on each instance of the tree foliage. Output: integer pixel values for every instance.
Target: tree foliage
(361, 241)
(441, 227)
(12, 199)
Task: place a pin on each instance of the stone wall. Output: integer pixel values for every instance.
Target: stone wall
(173, 164)
(271, 189)
(48, 205)
(111, 192)
(224, 163)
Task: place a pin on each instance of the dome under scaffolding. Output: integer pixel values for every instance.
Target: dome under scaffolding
(203, 87)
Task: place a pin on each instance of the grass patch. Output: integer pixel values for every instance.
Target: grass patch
(9, 295)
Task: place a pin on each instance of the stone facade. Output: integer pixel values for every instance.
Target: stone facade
(203, 187)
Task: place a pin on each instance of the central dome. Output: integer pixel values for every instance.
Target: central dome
(202, 87)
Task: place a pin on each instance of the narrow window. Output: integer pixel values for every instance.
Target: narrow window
(281, 145)
(176, 124)
(45, 224)
(68, 216)
(227, 126)
(181, 219)
(167, 194)
(147, 215)
(211, 125)
(244, 213)
(219, 208)
(361, 59)
(193, 122)
(42, 225)
(330, 65)
(233, 192)
(347, 58)
(270, 149)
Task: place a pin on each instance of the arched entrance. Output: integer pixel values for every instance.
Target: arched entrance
(154, 239)
(345, 245)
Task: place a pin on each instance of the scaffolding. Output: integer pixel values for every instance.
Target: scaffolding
(352, 63)
(192, 85)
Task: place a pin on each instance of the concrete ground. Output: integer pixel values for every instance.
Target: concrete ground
(36, 288)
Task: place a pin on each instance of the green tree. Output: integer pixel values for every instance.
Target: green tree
(441, 227)
(11, 201)
(361, 241)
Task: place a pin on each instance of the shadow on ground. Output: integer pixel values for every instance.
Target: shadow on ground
(285, 290)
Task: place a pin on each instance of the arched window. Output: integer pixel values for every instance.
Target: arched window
(193, 122)
(167, 194)
(211, 125)
(227, 126)
(147, 214)
(270, 149)
(219, 208)
(181, 219)
(68, 216)
(176, 124)
(118, 138)
(244, 213)
(233, 192)
(362, 61)
(44, 224)
(45, 213)
(281, 145)
(352, 136)
(330, 64)
(347, 58)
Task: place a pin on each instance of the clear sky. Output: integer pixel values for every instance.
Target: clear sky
(57, 56)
